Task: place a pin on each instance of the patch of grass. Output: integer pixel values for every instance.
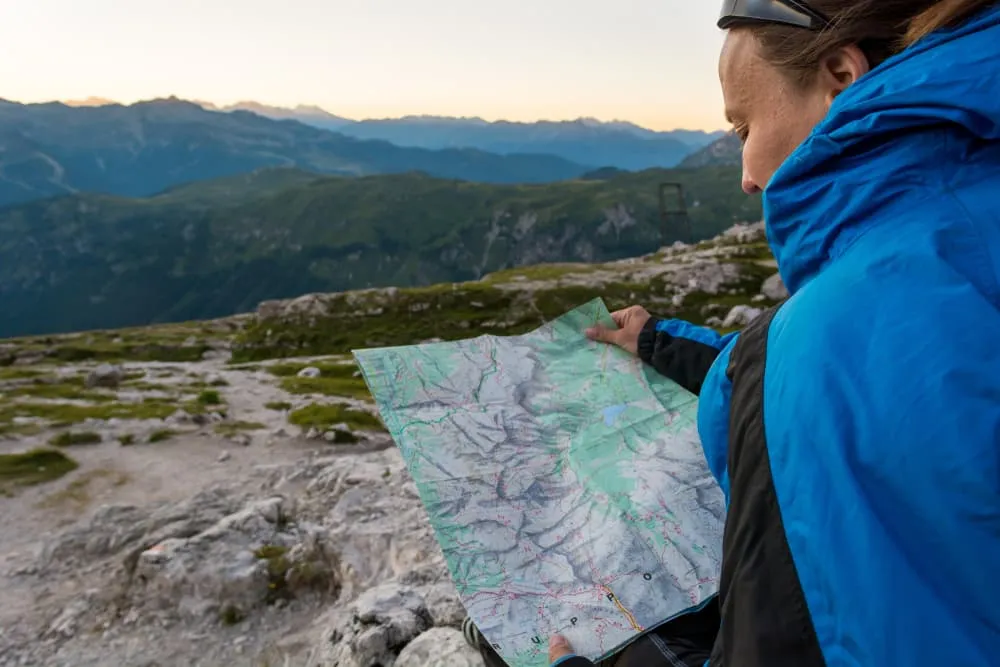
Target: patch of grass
(67, 414)
(70, 438)
(109, 351)
(278, 566)
(230, 428)
(19, 373)
(335, 386)
(126, 439)
(161, 435)
(219, 382)
(231, 615)
(142, 385)
(249, 368)
(279, 406)
(209, 397)
(324, 416)
(77, 491)
(67, 389)
(34, 467)
(11, 429)
(540, 272)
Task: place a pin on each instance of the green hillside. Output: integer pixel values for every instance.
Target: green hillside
(221, 247)
(700, 283)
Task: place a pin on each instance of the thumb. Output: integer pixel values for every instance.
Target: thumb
(602, 334)
(559, 648)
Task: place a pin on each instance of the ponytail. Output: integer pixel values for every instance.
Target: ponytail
(942, 14)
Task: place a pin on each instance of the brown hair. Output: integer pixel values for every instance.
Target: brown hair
(880, 28)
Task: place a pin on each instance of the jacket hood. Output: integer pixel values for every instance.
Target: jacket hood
(896, 137)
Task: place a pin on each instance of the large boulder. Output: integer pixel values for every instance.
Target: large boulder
(251, 558)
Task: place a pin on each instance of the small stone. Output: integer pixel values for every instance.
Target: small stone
(309, 372)
(741, 316)
(341, 436)
(179, 417)
(224, 456)
(774, 288)
(105, 375)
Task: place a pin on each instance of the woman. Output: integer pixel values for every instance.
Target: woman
(855, 428)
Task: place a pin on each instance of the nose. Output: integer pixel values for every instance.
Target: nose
(749, 185)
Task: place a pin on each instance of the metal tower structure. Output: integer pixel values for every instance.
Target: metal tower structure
(673, 214)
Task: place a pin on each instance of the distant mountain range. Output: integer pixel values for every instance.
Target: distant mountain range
(585, 141)
(141, 149)
(221, 246)
(726, 151)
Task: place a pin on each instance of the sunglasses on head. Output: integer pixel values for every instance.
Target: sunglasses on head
(786, 12)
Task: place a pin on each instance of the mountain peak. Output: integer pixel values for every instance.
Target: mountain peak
(90, 102)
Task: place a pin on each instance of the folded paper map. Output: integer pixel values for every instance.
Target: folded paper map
(564, 480)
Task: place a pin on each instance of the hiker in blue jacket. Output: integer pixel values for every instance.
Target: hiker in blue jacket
(855, 428)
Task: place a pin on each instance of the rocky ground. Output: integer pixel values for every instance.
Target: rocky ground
(168, 499)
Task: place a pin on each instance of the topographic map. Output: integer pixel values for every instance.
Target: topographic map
(564, 480)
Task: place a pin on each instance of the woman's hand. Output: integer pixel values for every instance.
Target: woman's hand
(558, 648)
(630, 322)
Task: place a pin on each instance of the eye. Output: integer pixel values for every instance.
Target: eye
(742, 131)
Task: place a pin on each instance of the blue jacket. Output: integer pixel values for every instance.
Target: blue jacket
(878, 381)
(855, 428)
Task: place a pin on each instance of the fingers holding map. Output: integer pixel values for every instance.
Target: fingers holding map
(564, 480)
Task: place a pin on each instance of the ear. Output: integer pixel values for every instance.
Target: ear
(840, 68)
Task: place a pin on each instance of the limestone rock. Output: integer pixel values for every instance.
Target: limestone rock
(246, 560)
(741, 316)
(439, 647)
(774, 289)
(309, 372)
(444, 604)
(379, 622)
(117, 529)
(105, 375)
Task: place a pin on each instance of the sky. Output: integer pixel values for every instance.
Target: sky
(652, 62)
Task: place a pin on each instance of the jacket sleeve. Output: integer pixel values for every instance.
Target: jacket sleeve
(681, 351)
(572, 661)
